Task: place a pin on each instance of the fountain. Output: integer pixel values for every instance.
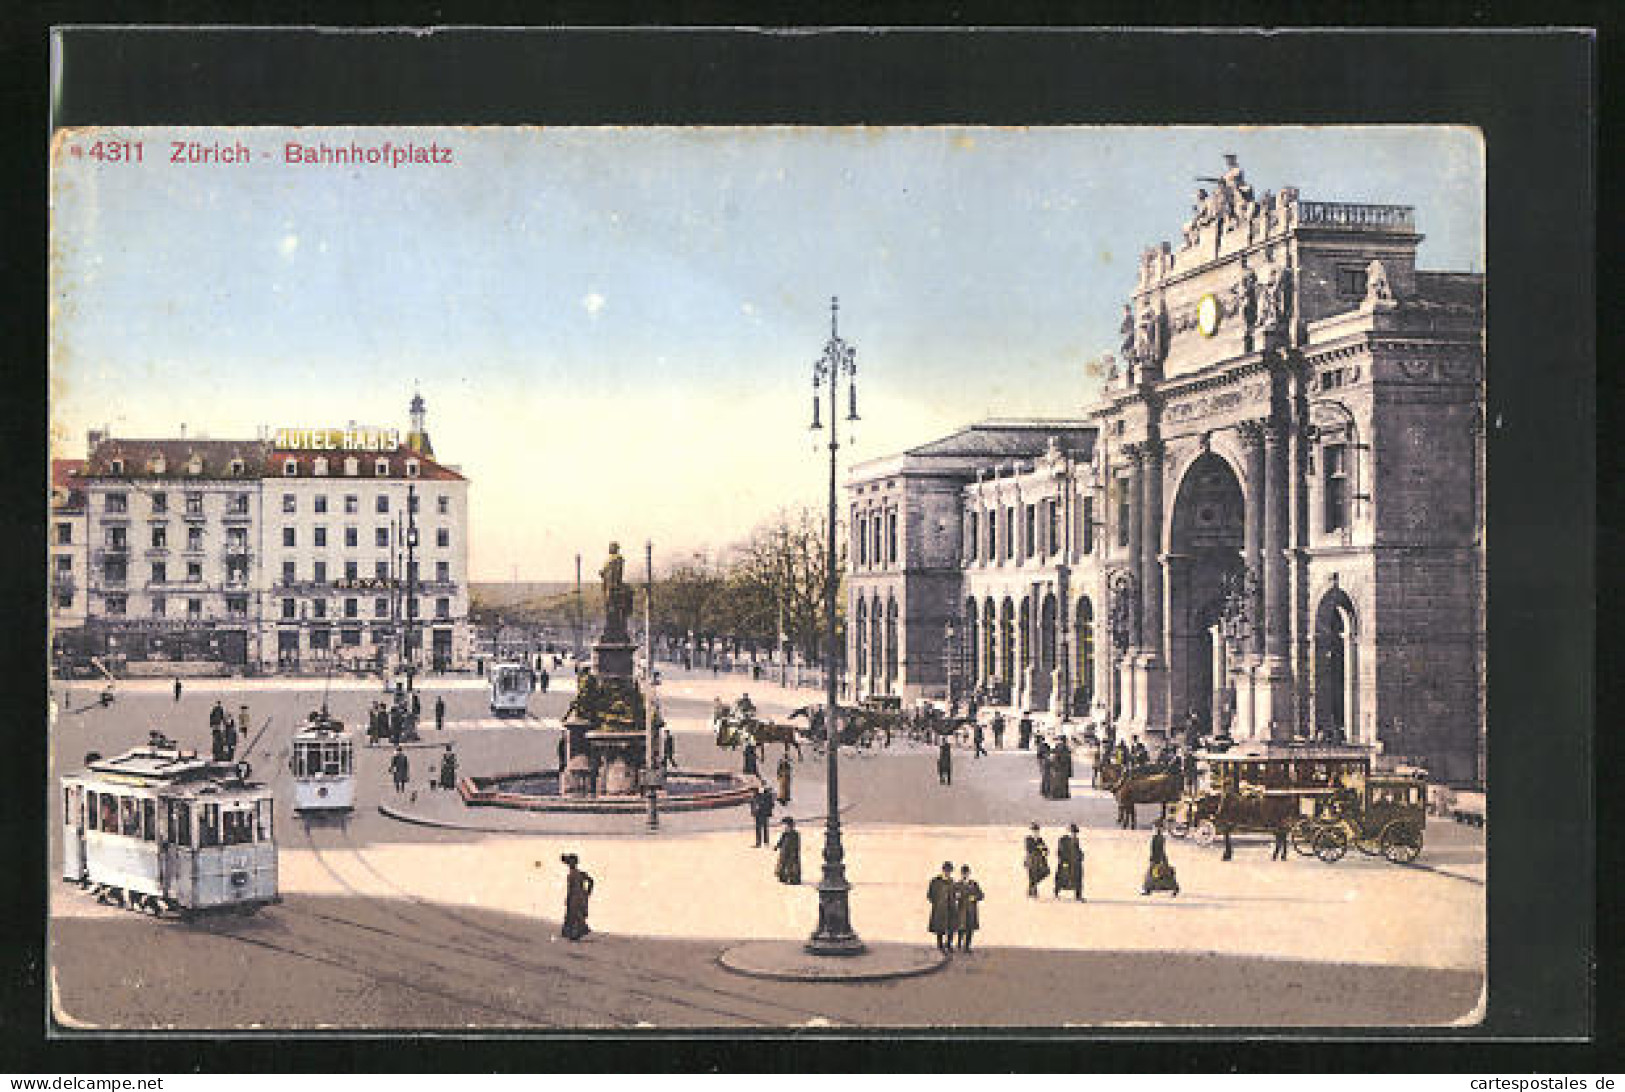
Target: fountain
(610, 739)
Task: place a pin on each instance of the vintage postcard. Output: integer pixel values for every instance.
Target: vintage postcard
(767, 578)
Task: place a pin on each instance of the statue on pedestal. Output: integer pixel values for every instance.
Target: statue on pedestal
(617, 596)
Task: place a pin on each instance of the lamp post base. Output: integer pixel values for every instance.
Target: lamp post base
(834, 935)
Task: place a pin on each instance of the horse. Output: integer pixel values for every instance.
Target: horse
(1109, 775)
(1157, 788)
(766, 731)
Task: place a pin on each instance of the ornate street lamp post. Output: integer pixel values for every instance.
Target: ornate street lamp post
(834, 935)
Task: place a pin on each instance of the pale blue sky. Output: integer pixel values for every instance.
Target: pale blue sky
(614, 328)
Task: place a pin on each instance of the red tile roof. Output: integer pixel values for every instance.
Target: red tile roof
(366, 461)
(63, 471)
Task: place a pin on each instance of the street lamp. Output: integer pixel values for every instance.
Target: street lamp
(834, 935)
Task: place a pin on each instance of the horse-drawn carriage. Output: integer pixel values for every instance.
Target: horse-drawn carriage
(1381, 815)
(855, 729)
(738, 724)
(1257, 790)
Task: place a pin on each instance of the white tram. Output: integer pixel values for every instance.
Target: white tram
(161, 829)
(322, 761)
(511, 685)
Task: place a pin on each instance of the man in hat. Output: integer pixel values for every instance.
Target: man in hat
(399, 769)
(1069, 863)
(578, 887)
(448, 769)
(978, 739)
(440, 712)
(940, 894)
(1060, 781)
(1159, 874)
(789, 846)
(967, 900)
(750, 759)
(784, 778)
(1025, 731)
(945, 762)
(761, 809)
(177, 688)
(1036, 861)
(998, 731)
(1044, 771)
(217, 715)
(668, 750)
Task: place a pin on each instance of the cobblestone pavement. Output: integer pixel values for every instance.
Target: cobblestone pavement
(392, 924)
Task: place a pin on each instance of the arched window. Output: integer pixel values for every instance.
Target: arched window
(861, 639)
(1085, 682)
(891, 644)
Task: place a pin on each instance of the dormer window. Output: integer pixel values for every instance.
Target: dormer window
(352, 466)
(116, 466)
(290, 468)
(156, 464)
(411, 468)
(236, 468)
(381, 468)
(195, 466)
(319, 467)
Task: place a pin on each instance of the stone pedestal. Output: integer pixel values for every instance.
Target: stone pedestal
(617, 756)
(613, 659)
(1149, 687)
(1273, 717)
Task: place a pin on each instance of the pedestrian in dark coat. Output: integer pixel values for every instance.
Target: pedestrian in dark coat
(1044, 770)
(669, 751)
(977, 737)
(217, 743)
(217, 715)
(177, 688)
(761, 809)
(417, 705)
(1159, 875)
(396, 725)
(967, 915)
(577, 892)
(230, 737)
(940, 894)
(440, 713)
(564, 751)
(998, 731)
(1036, 861)
(788, 869)
(400, 769)
(1229, 850)
(1279, 853)
(750, 759)
(448, 769)
(1069, 863)
(945, 763)
(1025, 732)
(784, 779)
(1060, 787)
(544, 680)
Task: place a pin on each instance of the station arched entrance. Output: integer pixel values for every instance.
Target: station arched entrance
(1205, 540)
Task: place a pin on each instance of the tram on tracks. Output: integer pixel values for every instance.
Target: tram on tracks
(322, 761)
(162, 830)
(511, 684)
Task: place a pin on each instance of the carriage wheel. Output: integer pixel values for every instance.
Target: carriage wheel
(1369, 844)
(1302, 837)
(1205, 832)
(1401, 843)
(1331, 843)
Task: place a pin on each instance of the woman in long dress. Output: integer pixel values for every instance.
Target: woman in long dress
(577, 891)
(1036, 861)
(789, 847)
(784, 779)
(1159, 874)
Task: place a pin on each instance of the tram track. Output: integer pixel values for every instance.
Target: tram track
(479, 947)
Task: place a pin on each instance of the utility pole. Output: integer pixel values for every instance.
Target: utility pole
(578, 607)
(653, 764)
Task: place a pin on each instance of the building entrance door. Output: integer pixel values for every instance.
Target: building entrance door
(1204, 552)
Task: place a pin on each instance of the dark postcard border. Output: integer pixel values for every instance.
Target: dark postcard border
(1532, 95)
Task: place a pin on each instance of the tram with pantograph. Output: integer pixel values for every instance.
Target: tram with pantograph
(511, 684)
(322, 761)
(163, 830)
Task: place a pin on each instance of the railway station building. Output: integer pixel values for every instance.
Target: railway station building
(198, 556)
(1268, 521)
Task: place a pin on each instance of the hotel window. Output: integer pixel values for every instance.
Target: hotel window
(349, 636)
(64, 600)
(380, 570)
(115, 604)
(64, 534)
(160, 536)
(113, 572)
(236, 539)
(239, 504)
(160, 572)
(160, 502)
(290, 609)
(194, 504)
(159, 605)
(118, 503)
(350, 572)
(156, 465)
(288, 537)
(236, 468)
(352, 608)
(319, 467)
(194, 466)
(318, 608)
(64, 565)
(412, 571)
(194, 572)
(320, 537)
(412, 607)
(443, 504)
(351, 537)
(237, 606)
(290, 468)
(288, 572)
(115, 538)
(411, 468)
(289, 503)
(319, 504)
(194, 608)
(194, 538)
(352, 504)
(442, 607)
(380, 608)
(442, 571)
(116, 466)
(380, 467)
(442, 537)
(352, 467)
(1334, 460)
(383, 502)
(380, 537)
(319, 572)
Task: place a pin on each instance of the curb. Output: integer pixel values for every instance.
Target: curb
(788, 961)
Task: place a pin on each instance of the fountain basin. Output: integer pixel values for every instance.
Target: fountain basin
(538, 790)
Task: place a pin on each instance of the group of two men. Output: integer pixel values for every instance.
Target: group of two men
(223, 733)
(1068, 862)
(955, 907)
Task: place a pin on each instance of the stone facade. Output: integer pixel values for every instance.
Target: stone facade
(1270, 521)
